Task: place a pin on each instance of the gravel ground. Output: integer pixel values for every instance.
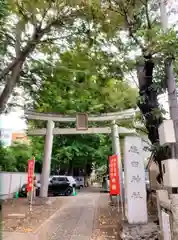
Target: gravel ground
(107, 224)
(148, 231)
(24, 221)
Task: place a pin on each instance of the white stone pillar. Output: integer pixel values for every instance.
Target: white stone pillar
(47, 159)
(135, 187)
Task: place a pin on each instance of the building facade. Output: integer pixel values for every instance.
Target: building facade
(6, 136)
(20, 137)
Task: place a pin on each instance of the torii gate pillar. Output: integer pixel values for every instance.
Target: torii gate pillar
(47, 159)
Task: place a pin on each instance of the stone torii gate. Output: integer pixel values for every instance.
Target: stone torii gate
(50, 131)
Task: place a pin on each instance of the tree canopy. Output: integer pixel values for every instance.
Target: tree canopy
(15, 157)
(77, 88)
(75, 56)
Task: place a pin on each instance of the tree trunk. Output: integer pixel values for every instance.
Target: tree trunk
(12, 72)
(9, 86)
(148, 104)
(12, 79)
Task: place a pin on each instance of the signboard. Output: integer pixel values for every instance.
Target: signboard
(166, 225)
(31, 167)
(135, 186)
(114, 175)
(82, 121)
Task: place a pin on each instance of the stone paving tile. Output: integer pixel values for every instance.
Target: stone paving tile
(19, 236)
(80, 238)
(76, 221)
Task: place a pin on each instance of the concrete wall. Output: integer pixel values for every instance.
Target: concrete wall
(10, 182)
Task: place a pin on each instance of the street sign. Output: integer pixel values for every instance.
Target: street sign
(82, 121)
(114, 175)
(31, 168)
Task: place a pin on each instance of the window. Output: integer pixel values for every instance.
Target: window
(62, 179)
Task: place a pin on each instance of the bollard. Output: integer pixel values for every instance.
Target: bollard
(74, 192)
(16, 195)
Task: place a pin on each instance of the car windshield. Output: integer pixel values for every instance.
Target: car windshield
(62, 179)
(71, 179)
(59, 179)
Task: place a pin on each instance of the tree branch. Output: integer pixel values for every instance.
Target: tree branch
(37, 35)
(16, 65)
(131, 33)
(124, 12)
(147, 15)
(50, 40)
(45, 13)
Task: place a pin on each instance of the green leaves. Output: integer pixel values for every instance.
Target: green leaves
(73, 84)
(15, 157)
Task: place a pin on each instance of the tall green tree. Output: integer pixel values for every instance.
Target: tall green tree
(15, 157)
(7, 160)
(75, 83)
(30, 25)
(136, 29)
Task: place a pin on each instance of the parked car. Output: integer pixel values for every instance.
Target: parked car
(80, 181)
(23, 191)
(60, 186)
(57, 186)
(71, 179)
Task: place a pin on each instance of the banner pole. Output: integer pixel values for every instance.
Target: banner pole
(117, 152)
(31, 196)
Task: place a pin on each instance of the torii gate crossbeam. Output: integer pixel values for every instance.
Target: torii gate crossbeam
(70, 131)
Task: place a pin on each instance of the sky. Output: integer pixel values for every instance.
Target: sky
(13, 120)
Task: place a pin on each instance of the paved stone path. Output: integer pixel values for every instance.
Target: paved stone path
(75, 222)
(77, 219)
(88, 216)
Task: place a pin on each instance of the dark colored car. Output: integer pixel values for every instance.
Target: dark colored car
(23, 191)
(59, 186)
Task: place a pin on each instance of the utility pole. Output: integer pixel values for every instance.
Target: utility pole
(117, 151)
(171, 82)
(173, 107)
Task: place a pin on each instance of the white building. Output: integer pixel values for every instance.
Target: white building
(6, 136)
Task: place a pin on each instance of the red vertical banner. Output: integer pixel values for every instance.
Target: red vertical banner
(31, 168)
(114, 175)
